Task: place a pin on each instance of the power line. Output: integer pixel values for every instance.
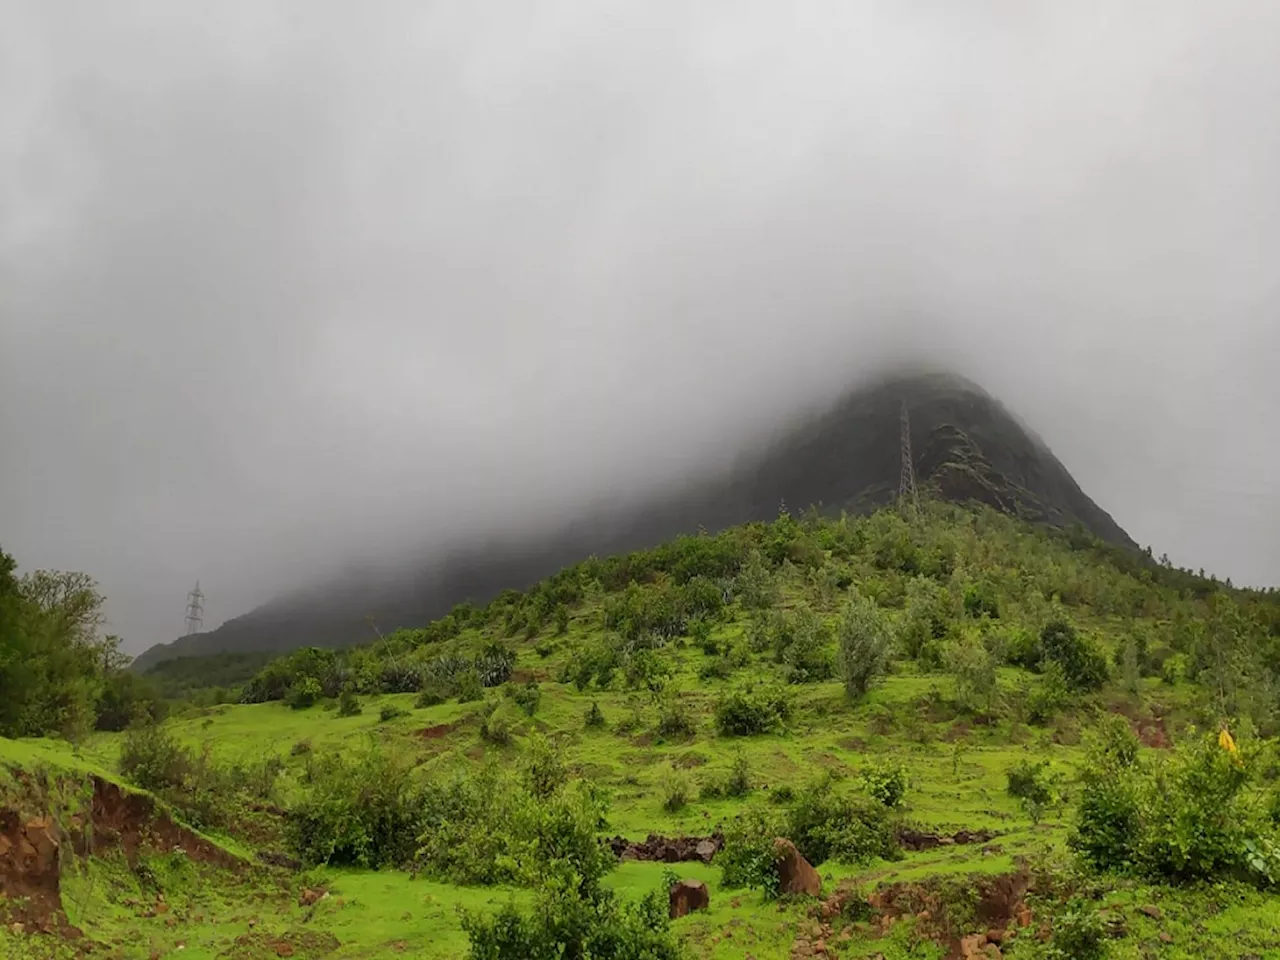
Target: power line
(195, 610)
(907, 478)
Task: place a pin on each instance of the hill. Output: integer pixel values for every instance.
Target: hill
(967, 447)
(988, 737)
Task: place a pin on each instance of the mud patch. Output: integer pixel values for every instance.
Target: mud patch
(916, 840)
(1148, 727)
(301, 944)
(439, 730)
(659, 849)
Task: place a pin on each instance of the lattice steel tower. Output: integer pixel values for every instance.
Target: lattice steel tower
(195, 610)
(907, 478)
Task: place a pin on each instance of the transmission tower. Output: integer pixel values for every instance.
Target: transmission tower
(195, 610)
(907, 479)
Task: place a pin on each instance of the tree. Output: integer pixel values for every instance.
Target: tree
(865, 637)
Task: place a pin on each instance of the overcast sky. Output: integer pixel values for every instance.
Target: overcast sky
(285, 284)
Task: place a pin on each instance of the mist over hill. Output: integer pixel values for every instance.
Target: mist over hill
(966, 446)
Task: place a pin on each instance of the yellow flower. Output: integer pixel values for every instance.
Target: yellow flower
(1228, 744)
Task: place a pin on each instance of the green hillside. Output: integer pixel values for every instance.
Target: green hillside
(970, 725)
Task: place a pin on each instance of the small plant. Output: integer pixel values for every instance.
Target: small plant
(470, 688)
(1078, 934)
(527, 697)
(886, 782)
(594, 718)
(747, 859)
(677, 790)
(783, 794)
(390, 712)
(543, 768)
(301, 748)
(865, 639)
(674, 718)
(1028, 783)
(348, 703)
(738, 783)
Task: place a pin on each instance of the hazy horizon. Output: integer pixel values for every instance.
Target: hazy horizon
(282, 292)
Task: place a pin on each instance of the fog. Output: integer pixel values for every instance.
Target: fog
(284, 286)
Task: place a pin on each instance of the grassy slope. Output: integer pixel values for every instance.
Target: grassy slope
(390, 914)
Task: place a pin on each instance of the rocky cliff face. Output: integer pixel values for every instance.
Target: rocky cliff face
(966, 446)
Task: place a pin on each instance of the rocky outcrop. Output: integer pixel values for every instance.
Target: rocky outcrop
(659, 849)
(688, 896)
(796, 875)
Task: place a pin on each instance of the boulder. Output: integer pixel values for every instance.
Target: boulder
(795, 873)
(705, 850)
(688, 896)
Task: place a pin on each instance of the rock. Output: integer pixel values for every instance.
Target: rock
(706, 849)
(308, 896)
(973, 947)
(795, 873)
(688, 896)
(1165, 938)
(1153, 912)
(284, 949)
(996, 936)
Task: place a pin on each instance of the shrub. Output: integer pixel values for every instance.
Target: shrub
(363, 811)
(152, 758)
(348, 704)
(864, 646)
(430, 696)
(527, 697)
(677, 790)
(751, 709)
(1082, 665)
(304, 693)
(1028, 783)
(494, 665)
(594, 718)
(974, 671)
(675, 718)
(498, 726)
(390, 712)
(543, 768)
(747, 859)
(1182, 817)
(885, 782)
(826, 824)
(738, 783)
(470, 687)
(1048, 696)
(301, 748)
(1078, 934)
(801, 645)
(783, 794)
(565, 923)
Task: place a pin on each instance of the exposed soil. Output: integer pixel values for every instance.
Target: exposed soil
(301, 944)
(1149, 727)
(965, 931)
(660, 849)
(32, 849)
(439, 730)
(914, 840)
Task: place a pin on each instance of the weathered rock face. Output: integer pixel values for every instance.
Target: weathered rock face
(688, 896)
(795, 873)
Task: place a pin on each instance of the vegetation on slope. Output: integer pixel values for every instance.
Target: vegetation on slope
(867, 687)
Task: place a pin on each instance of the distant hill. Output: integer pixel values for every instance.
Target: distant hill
(966, 446)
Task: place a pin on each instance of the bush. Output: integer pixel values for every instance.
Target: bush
(564, 923)
(800, 643)
(304, 693)
(1082, 665)
(864, 646)
(677, 790)
(594, 718)
(430, 696)
(152, 758)
(1078, 934)
(301, 748)
(751, 709)
(747, 859)
(974, 672)
(886, 783)
(543, 768)
(363, 811)
(498, 726)
(470, 687)
(674, 718)
(391, 712)
(826, 824)
(738, 783)
(348, 704)
(1183, 817)
(527, 697)
(1028, 783)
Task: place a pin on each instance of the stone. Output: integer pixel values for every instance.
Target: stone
(1165, 938)
(1151, 911)
(706, 849)
(795, 873)
(688, 896)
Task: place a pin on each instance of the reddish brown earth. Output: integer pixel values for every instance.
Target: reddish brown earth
(34, 849)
